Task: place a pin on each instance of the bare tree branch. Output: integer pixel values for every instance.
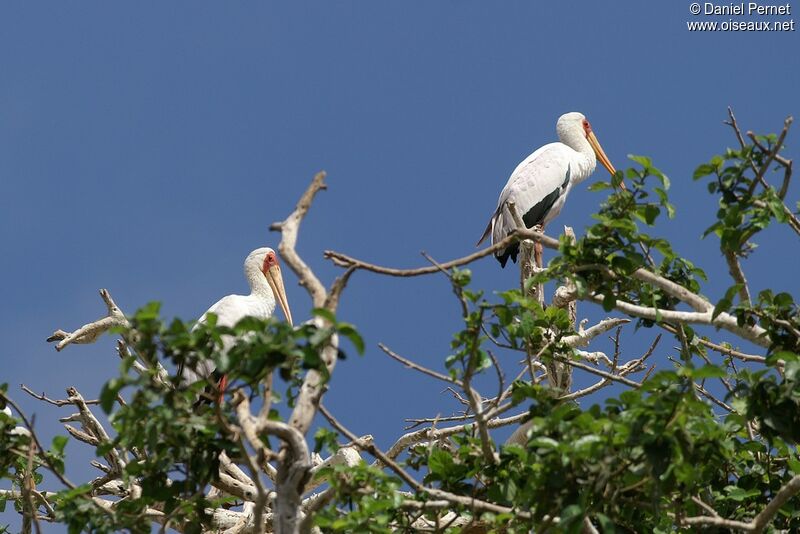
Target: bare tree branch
(89, 333)
(289, 229)
(755, 334)
(343, 260)
(417, 367)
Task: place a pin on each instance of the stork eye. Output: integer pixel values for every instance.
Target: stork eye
(586, 126)
(270, 260)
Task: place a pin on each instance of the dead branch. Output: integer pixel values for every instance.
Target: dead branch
(289, 229)
(89, 333)
(417, 367)
(343, 260)
(54, 402)
(724, 320)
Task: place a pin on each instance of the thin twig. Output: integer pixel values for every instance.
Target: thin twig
(54, 402)
(417, 367)
(343, 260)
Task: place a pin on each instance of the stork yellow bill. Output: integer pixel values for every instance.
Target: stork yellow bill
(272, 272)
(599, 152)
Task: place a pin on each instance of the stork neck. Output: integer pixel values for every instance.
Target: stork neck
(257, 281)
(586, 160)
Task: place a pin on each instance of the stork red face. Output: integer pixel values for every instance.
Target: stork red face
(272, 272)
(598, 150)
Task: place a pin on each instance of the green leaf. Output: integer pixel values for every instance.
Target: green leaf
(544, 443)
(462, 277)
(703, 170)
(644, 161)
(739, 494)
(783, 300)
(651, 212)
(439, 462)
(784, 355)
(148, 312)
(571, 513)
(722, 306)
(108, 395)
(609, 301)
(58, 444)
(324, 314)
(586, 441)
(599, 186)
(347, 330)
(709, 371)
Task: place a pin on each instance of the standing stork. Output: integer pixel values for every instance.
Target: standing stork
(540, 184)
(263, 274)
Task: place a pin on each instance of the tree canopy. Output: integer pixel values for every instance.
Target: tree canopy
(707, 440)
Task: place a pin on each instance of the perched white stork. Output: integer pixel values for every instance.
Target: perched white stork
(263, 273)
(540, 184)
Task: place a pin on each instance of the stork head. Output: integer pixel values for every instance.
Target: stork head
(575, 125)
(268, 264)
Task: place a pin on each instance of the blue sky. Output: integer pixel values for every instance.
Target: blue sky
(147, 147)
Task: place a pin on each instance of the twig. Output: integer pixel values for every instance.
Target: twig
(712, 398)
(343, 260)
(772, 153)
(332, 302)
(598, 372)
(54, 402)
(727, 351)
(735, 125)
(737, 274)
(412, 365)
(785, 163)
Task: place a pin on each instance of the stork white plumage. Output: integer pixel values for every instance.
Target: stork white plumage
(540, 184)
(263, 274)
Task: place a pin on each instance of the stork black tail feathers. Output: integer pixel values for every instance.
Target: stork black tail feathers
(511, 251)
(486, 232)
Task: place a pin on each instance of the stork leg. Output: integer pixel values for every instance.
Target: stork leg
(537, 254)
(537, 248)
(221, 386)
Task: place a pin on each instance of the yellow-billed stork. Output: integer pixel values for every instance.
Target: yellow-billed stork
(263, 274)
(540, 184)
